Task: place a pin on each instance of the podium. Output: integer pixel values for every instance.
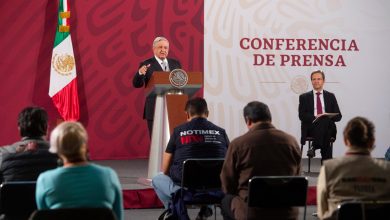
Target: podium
(168, 112)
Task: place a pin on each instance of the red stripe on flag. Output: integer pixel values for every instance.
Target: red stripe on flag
(67, 102)
(68, 9)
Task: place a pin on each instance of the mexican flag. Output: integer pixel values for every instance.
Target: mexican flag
(63, 77)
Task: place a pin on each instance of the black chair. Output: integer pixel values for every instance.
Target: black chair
(17, 199)
(277, 192)
(202, 175)
(309, 141)
(74, 214)
(364, 210)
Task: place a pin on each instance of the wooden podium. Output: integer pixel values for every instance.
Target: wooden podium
(168, 112)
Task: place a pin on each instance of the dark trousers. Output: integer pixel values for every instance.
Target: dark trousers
(226, 210)
(150, 127)
(322, 131)
(287, 213)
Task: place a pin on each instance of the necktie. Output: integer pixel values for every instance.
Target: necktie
(164, 65)
(319, 105)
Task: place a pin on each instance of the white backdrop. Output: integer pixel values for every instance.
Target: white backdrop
(361, 86)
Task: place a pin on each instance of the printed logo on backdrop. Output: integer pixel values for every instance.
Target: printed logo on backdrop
(63, 64)
(299, 51)
(299, 84)
(178, 78)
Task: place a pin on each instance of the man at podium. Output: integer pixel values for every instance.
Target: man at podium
(159, 62)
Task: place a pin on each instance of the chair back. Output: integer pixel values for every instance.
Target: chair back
(202, 174)
(74, 214)
(364, 210)
(277, 192)
(17, 199)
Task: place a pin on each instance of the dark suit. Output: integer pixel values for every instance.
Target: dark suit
(323, 129)
(142, 81)
(28, 164)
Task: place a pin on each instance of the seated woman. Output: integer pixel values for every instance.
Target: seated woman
(78, 183)
(356, 176)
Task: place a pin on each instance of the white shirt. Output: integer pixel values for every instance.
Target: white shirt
(161, 63)
(315, 101)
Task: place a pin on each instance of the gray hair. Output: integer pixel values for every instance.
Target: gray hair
(68, 139)
(257, 111)
(158, 39)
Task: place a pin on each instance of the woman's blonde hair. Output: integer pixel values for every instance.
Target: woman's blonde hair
(69, 139)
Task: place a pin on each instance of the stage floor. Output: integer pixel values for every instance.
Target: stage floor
(130, 171)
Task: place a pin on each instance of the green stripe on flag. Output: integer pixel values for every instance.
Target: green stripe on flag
(60, 36)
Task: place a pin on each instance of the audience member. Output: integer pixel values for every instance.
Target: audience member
(197, 138)
(356, 176)
(78, 183)
(27, 164)
(26, 159)
(262, 151)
